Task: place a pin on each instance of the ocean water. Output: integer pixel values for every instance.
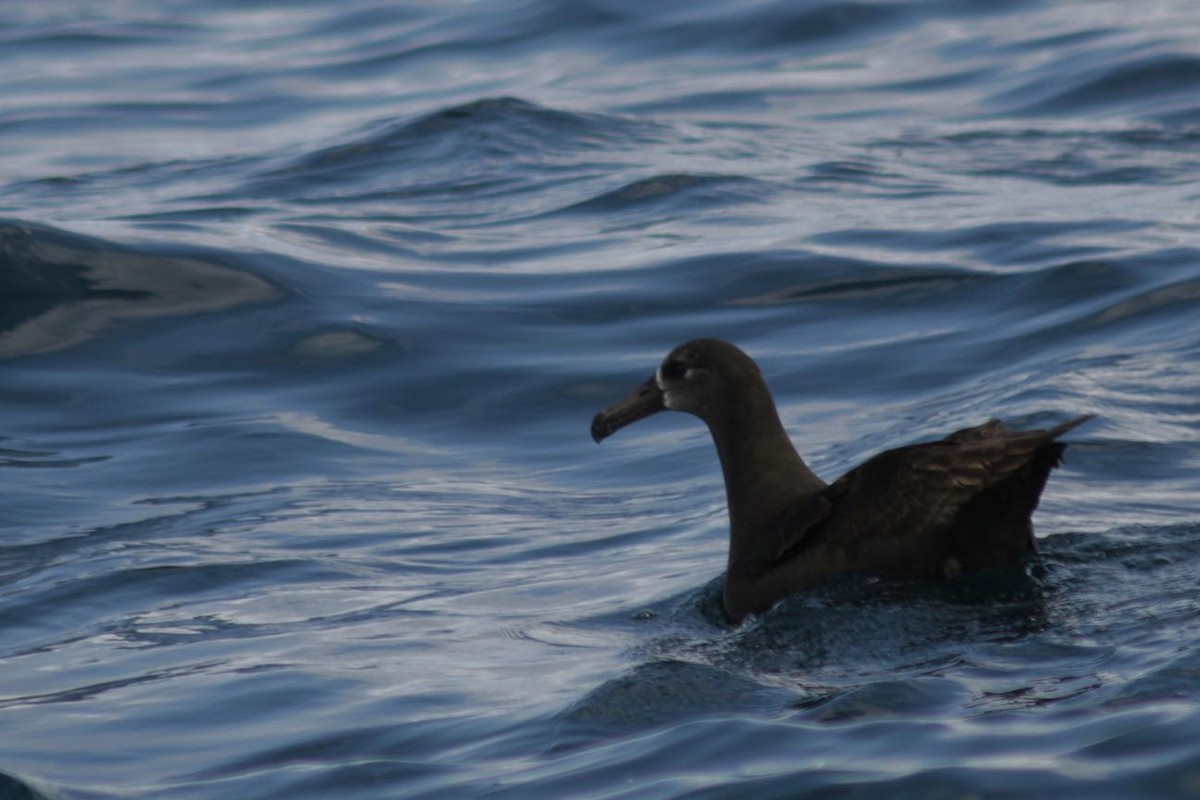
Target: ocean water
(305, 309)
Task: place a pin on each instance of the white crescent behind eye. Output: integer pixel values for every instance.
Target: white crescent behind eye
(670, 397)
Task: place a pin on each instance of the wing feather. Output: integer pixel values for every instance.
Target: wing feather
(894, 512)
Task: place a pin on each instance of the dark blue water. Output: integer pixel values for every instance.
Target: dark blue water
(305, 309)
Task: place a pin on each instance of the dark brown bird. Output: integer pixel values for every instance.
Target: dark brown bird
(924, 511)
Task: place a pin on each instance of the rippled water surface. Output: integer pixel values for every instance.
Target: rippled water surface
(305, 309)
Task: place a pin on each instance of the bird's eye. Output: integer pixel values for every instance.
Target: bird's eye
(674, 371)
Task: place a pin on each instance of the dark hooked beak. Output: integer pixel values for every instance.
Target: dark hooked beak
(647, 399)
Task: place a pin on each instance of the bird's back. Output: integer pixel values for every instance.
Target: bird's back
(924, 511)
(959, 504)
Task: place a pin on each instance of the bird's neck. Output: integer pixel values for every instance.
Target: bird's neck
(764, 475)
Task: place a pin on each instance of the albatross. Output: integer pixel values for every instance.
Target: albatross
(921, 512)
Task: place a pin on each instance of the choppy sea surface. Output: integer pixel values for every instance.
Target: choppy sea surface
(305, 309)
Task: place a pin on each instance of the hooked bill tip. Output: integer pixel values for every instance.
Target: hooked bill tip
(600, 428)
(645, 400)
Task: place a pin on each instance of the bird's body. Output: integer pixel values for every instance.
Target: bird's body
(924, 511)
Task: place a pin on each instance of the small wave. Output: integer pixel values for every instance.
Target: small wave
(775, 26)
(1101, 293)
(674, 190)
(669, 690)
(998, 244)
(42, 459)
(1147, 86)
(869, 176)
(1146, 155)
(63, 289)
(462, 141)
(13, 788)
